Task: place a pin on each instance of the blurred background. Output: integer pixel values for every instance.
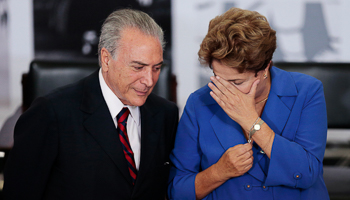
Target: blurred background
(307, 31)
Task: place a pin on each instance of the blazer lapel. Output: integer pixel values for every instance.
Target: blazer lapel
(275, 114)
(99, 124)
(229, 134)
(281, 100)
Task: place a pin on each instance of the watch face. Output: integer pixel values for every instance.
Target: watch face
(257, 127)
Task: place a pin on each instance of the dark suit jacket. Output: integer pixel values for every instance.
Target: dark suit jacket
(67, 147)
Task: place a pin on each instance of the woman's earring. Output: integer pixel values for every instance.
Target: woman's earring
(265, 76)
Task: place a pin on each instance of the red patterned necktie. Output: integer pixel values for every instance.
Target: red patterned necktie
(122, 117)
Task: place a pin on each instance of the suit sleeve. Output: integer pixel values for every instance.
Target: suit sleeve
(185, 156)
(174, 126)
(33, 154)
(298, 163)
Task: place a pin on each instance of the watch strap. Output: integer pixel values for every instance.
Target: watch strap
(253, 130)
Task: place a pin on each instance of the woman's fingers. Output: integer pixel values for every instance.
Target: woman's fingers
(217, 99)
(235, 103)
(222, 93)
(217, 84)
(229, 86)
(224, 86)
(253, 88)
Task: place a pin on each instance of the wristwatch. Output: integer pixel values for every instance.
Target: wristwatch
(255, 128)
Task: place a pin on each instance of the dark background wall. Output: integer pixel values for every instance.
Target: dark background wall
(69, 29)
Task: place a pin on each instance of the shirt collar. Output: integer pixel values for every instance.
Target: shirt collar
(113, 102)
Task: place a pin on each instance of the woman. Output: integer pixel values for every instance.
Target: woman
(256, 131)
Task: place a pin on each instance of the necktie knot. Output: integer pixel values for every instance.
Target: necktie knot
(122, 117)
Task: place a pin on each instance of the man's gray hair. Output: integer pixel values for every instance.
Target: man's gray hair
(118, 21)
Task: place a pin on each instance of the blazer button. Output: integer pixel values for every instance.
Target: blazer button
(297, 176)
(248, 187)
(265, 188)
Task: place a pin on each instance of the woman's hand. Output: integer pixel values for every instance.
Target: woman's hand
(238, 106)
(235, 162)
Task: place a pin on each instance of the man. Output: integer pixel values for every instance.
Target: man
(70, 143)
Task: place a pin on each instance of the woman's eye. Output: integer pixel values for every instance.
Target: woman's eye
(237, 83)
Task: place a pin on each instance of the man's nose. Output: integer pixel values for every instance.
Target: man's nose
(148, 78)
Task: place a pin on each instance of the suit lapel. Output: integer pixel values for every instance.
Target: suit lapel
(150, 136)
(99, 124)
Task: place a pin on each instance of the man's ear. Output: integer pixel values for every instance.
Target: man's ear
(105, 58)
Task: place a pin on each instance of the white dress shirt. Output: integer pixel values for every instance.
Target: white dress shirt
(133, 126)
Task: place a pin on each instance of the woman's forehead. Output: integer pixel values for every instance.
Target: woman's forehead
(230, 73)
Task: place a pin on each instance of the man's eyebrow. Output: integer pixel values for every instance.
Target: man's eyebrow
(161, 63)
(139, 63)
(144, 64)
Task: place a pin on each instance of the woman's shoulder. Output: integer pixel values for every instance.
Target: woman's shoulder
(201, 96)
(202, 91)
(299, 79)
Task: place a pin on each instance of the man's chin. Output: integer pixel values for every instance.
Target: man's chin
(137, 98)
(139, 101)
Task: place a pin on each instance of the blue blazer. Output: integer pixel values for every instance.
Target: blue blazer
(295, 111)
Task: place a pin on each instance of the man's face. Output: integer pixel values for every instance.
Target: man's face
(135, 71)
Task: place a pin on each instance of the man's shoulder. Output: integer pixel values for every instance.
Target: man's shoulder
(154, 100)
(74, 90)
(68, 92)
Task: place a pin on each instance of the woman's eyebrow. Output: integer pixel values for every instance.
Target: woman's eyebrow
(229, 79)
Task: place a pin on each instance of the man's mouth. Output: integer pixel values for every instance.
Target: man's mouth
(141, 93)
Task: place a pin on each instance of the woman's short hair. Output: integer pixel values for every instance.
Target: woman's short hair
(122, 19)
(239, 38)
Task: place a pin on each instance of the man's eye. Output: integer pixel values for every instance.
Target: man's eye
(156, 68)
(138, 68)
